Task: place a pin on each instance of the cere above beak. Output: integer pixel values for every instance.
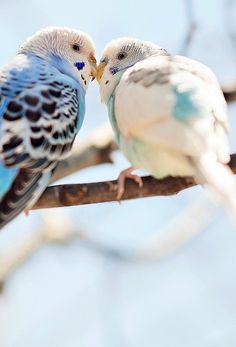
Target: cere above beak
(93, 63)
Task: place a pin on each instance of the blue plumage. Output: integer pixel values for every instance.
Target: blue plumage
(42, 107)
(33, 93)
(7, 176)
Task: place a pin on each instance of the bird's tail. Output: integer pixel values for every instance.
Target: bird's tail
(25, 191)
(219, 180)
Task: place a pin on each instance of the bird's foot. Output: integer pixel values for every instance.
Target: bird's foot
(26, 212)
(121, 181)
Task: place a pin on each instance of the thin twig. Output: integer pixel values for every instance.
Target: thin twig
(228, 12)
(192, 27)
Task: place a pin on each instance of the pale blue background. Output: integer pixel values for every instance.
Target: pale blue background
(71, 295)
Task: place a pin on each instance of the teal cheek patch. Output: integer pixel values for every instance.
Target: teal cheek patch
(185, 107)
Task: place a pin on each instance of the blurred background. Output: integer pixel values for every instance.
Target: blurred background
(123, 275)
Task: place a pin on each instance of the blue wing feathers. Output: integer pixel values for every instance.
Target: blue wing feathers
(7, 177)
(33, 92)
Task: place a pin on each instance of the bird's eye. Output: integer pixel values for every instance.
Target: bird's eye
(121, 55)
(76, 47)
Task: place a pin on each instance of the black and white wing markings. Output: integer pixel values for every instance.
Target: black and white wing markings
(39, 125)
(38, 113)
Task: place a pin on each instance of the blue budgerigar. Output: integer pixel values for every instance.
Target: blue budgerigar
(42, 106)
(168, 114)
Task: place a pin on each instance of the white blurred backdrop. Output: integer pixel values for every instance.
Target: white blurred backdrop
(88, 288)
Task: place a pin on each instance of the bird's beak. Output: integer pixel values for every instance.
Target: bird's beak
(100, 71)
(93, 63)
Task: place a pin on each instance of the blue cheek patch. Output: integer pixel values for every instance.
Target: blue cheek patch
(113, 70)
(80, 65)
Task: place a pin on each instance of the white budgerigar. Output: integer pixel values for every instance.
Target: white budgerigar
(42, 106)
(168, 114)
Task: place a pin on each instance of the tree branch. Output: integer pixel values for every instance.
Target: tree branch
(192, 27)
(229, 93)
(92, 193)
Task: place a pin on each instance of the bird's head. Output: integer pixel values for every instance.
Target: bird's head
(117, 57)
(71, 51)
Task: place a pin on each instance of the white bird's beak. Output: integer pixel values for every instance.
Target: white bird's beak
(93, 63)
(100, 71)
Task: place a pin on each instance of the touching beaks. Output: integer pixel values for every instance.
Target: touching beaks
(100, 70)
(93, 63)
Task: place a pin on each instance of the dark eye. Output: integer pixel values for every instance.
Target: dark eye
(121, 55)
(76, 47)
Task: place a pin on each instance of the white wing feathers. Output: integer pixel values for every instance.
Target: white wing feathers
(150, 86)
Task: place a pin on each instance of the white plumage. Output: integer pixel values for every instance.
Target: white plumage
(169, 116)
